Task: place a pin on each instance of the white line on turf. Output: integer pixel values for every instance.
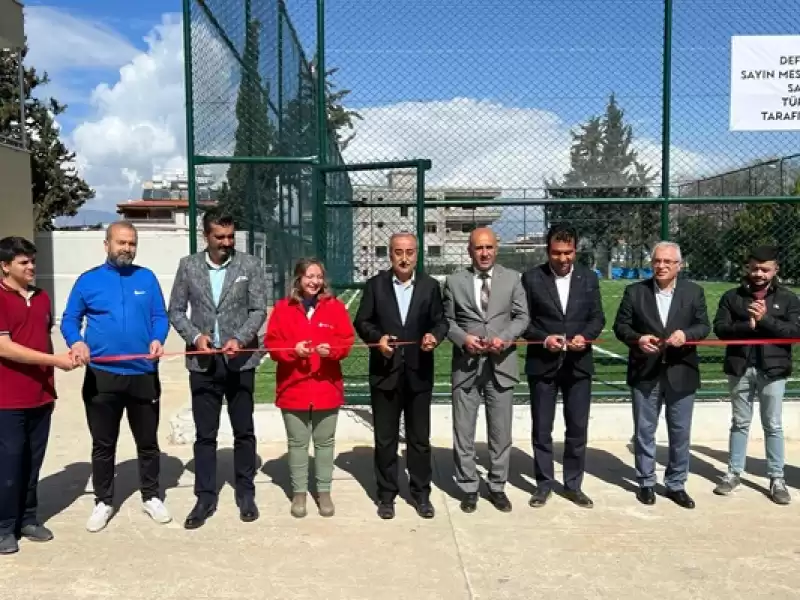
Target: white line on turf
(352, 298)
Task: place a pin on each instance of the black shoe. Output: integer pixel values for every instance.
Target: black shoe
(540, 497)
(8, 544)
(579, 498)
(500, 501)
(681, 498)
(386, 510)
(424, 508)
(36, 533)
(470, 502)
(646, 495)
(248, 511)
(200, 512)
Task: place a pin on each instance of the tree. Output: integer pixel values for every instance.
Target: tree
(254, 193)
(603, 164)
(250, 193)
(57, 188)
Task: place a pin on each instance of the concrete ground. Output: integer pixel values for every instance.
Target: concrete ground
(738, 547)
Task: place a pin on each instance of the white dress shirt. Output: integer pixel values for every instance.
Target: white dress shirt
(562, 285)
(664, 300)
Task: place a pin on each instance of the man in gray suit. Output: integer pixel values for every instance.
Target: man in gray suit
(227, 292)
(487, 310)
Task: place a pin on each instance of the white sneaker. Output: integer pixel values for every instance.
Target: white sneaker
(100, 516)
(157, 511)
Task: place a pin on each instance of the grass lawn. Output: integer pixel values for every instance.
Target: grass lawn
(610, 361)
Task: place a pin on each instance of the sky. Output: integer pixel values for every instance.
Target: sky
(488, 89)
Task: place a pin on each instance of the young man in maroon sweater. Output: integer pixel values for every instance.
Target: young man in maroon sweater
(27, 393)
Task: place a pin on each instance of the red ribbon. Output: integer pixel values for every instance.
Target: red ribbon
(394, 343)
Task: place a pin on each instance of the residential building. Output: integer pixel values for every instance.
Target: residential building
(447, 228)
(164, 206)
(15, 162)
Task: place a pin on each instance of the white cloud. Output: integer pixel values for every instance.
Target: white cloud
(474, 143)
(59, 40)
(138, 127)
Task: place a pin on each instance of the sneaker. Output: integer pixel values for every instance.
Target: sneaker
(778, 492)
(728, 484)
(8, 544)
(99, 518)
(157, 511)
(37, 533)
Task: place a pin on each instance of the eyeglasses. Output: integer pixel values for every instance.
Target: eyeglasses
(664, 261)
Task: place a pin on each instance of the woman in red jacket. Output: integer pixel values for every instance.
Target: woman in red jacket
(308, 335)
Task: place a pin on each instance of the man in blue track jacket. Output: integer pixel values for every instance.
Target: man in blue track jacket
(125, 313)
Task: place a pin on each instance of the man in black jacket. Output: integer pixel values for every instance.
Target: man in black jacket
(656, 318)
(402, 305)
(566, 314)
(759, 308)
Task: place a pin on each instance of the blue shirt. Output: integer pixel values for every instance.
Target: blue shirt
(124, 312)
(403, 293)
(216, 274)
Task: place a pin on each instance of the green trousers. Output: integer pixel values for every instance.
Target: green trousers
(301, 427)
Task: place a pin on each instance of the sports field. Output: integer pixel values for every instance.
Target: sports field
(610, 358)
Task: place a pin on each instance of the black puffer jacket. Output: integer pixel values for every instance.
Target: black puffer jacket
(732, 322)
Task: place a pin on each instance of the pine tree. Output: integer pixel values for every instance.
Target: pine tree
(603, 164)
(250, 194)
(57, 188)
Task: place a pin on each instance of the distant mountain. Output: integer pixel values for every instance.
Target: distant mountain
(87, 217)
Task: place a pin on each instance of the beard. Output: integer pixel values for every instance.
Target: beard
(122, 259)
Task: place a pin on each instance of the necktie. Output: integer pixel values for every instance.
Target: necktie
(485, 293)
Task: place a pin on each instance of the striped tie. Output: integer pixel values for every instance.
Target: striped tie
(485, 293)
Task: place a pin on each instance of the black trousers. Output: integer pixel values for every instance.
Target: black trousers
(387, 406)
(577, 396)
(208, 390)
(106, 396)
(23, 442)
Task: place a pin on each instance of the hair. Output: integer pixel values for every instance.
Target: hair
(561, 232)
(119, 225)
(401, 234)
(300, 268)
(14, 246)
(763, 254)
(665, 244)
(216, 216)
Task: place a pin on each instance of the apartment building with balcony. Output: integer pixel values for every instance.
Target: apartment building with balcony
(447, 228)
(15, 163)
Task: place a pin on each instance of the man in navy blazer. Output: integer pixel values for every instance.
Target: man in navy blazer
(566, 313)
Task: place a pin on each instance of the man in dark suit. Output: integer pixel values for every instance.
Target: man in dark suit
(566, 313)
(227, 292)
(656, 318)
(399, 304)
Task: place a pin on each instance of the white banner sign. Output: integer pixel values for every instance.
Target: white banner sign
(765, 83)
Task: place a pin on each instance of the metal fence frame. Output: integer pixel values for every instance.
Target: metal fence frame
(327, 160)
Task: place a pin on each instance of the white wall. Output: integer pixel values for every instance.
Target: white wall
(64, 255)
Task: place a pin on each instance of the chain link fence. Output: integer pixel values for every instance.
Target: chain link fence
(613, 115)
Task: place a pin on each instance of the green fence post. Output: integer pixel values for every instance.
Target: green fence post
(187, 76)
(421, 217)
(322, 137)
(666, 110)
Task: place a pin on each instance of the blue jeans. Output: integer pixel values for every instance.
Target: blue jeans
(744, 390)
(647, 401)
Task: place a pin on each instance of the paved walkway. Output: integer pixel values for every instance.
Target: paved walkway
(739, 547)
